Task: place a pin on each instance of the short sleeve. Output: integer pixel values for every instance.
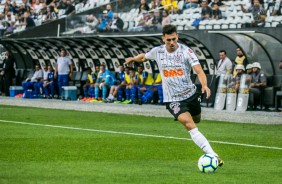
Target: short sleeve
(192, 58)
(152, 54)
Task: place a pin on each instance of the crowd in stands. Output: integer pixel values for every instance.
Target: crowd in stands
(18, 15)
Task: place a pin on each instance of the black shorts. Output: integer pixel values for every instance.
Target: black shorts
(191, 105)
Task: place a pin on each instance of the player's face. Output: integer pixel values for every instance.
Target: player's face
(121, 68)
(102, 68)
(126, 70)
(170, 41)
(140, 70)
(49, 68)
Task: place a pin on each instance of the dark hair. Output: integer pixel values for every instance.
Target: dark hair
(169, 29)
(222, 51)
(62, 49)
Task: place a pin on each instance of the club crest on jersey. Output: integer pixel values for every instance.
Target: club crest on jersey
(177, 58)
(175, 107)
(190, 50)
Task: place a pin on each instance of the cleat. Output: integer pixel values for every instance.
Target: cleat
(140, 102)
(94, 100)
(116, 102)
(126, 102)
(220, 162)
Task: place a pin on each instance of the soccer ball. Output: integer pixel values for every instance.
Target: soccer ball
(208, 163)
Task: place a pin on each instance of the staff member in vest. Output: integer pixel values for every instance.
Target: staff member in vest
(63, 70)
(258, 82)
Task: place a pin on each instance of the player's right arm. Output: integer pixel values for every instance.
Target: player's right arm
(139, 58)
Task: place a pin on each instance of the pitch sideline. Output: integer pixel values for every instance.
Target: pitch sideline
(136, 134)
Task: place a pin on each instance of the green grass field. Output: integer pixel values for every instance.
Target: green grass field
(89, 147)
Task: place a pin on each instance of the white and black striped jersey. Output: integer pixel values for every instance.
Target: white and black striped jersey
(175, 70)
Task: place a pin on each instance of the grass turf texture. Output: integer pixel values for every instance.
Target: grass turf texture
(36, 154)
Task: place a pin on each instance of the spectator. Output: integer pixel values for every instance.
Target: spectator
(144, 22)
(217, 2)
(106, 20)
(191, 4)
(28, 21)
(31, 82)
(8, 71)
(49, 14)
(143, 6)
(258, 14)
(170, 5)
(10, 28)
(92, 23)
(37, 6)
(70, 9)
(240, 59)
(166, 18)
(105, 81)
(277, 8)
(49, 85)
(224, 65)
(216, 12)
(206, 11)
(63, 70)
(158, 5)
(280, 65)
(117, 24)
(257, 84)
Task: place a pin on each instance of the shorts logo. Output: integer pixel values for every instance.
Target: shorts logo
(175, 107)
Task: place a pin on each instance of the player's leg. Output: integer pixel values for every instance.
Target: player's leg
(120, 90)
(104, 91)
(46, 89)
(160, 94)
(85, 90)
(198, 138)
(96, 93)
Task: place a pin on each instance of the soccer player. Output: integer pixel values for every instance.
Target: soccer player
(49, 85)
(144, 83)
(105, 81)
(175, 62)
(116, 91)
(88, 87)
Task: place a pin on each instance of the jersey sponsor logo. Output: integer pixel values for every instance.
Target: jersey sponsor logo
(175, 107)
(190, 50)
(173, 72)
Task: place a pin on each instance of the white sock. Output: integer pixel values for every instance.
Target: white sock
(201, 141)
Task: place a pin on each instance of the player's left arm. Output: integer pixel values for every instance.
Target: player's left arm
(139, 58)
(202, 78)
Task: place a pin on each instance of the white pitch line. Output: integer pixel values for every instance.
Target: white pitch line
(136, 134)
